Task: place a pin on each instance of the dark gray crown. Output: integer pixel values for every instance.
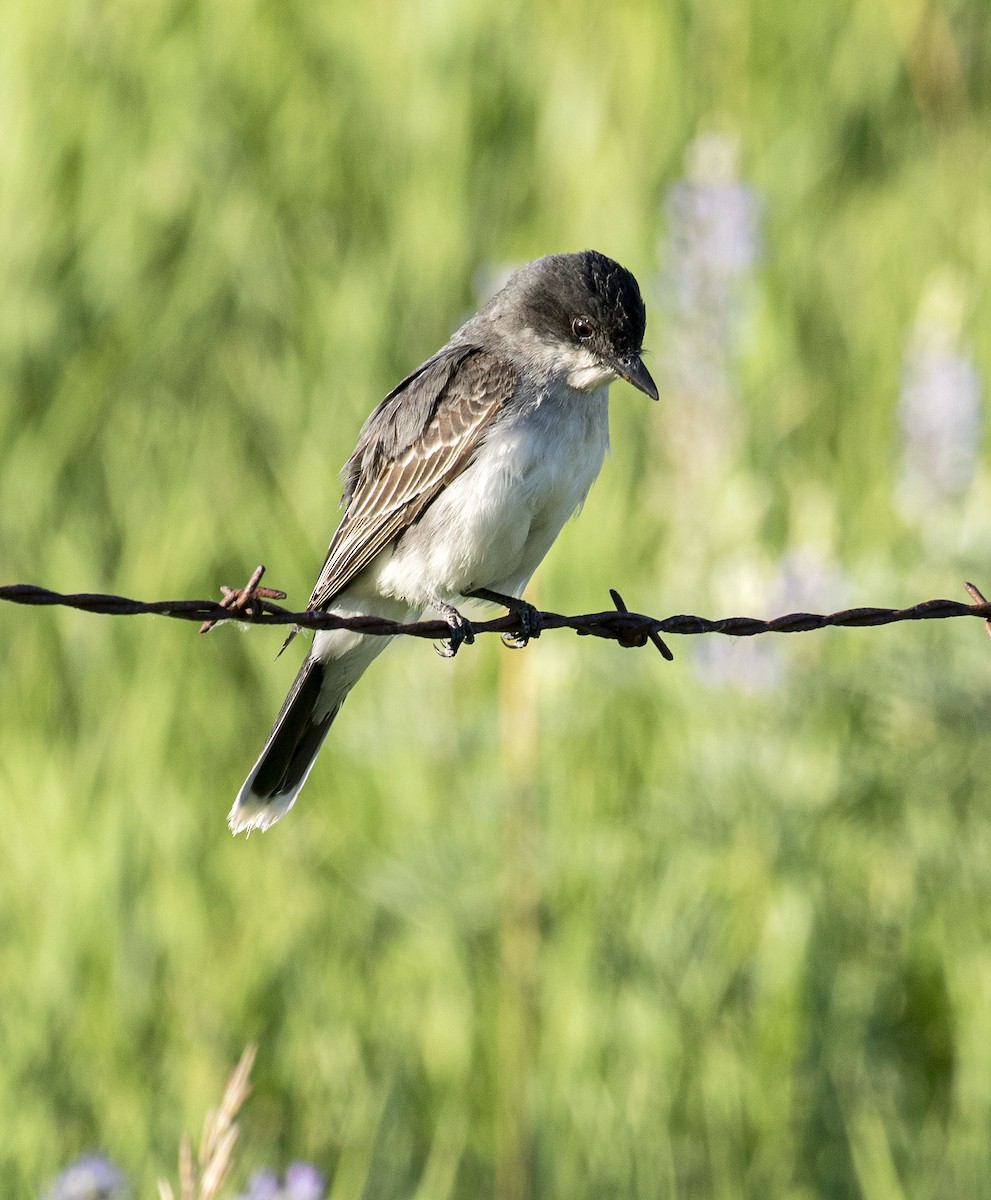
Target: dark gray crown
(559, 288)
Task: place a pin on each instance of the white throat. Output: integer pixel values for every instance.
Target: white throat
(565, 362)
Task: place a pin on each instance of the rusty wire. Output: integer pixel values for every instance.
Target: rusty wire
(256, 605)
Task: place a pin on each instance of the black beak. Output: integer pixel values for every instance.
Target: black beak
(630, 367)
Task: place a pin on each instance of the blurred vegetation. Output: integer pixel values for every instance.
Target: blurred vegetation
(561, 924)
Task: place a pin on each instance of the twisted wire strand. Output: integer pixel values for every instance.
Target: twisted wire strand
(256, 606)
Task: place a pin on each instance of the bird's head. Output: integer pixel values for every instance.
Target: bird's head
(583, 317)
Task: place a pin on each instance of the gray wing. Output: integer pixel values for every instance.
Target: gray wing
(421, 437)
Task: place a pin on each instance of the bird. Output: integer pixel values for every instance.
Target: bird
(461, 480)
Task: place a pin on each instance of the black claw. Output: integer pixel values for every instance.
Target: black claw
(461, 631)
(528, 616)
(530, 625)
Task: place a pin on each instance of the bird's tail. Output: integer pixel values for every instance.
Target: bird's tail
(291, 750)
(336, 661)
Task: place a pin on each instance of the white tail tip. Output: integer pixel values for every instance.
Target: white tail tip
(250, 812)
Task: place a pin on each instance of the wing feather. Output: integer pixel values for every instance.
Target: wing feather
(420, 438)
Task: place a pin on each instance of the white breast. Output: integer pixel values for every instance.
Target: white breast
(492, 526)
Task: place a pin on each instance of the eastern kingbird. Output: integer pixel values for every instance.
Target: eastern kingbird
(462, 478)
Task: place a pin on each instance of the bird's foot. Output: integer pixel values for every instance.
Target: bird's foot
(461, 630)
(528, 617)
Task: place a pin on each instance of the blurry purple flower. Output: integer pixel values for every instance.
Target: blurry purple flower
(939, 409)
(91, 1177)
(708, 254)
(807, 582)
(751, 665)
(713, 235)
(712, 241)
(263, 1185)
(802, 582)
(302, 1182)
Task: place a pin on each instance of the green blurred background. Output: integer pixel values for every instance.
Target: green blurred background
(568, 923)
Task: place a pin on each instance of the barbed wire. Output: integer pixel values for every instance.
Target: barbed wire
(256, 605)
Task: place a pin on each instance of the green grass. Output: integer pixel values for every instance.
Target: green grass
(574, 920)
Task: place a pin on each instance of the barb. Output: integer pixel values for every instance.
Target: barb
(255, 605)
(978, 597)
(241, 600)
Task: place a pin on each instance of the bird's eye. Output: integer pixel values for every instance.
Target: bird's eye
(581, 327)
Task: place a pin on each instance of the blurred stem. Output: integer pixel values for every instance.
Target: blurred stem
(519, 935)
